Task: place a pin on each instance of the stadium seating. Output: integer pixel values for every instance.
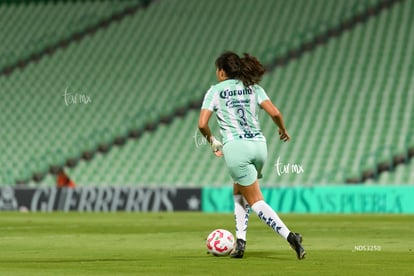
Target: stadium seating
(147, 65)
(38, 25)
(401, 174)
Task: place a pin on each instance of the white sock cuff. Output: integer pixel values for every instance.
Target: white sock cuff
(257, 204)
(241, 200)
(237, 198)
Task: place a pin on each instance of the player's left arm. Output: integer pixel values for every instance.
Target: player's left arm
(277, 118)
(203, 120)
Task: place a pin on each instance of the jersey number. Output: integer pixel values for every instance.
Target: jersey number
(242, 116)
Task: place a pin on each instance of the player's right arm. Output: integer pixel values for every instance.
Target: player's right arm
(207, 108)
(277, 118)
(216, 145)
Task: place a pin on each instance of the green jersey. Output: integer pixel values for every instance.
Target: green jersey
(237, 109)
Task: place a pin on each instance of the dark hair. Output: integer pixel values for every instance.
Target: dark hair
(247, 69)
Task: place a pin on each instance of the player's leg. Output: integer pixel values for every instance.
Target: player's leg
(241, 217)
(236, 159)
(241, 214)
(254, 198)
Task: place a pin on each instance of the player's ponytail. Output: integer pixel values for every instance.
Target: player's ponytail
(251, 70)
(247, 69)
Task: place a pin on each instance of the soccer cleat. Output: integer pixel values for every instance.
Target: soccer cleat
(295, 241)
(238, 250)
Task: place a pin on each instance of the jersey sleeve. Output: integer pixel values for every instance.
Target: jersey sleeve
(261, 94)
(209, 101)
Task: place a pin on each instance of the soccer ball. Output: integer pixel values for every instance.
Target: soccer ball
(220, 242)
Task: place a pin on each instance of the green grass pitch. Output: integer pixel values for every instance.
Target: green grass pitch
(174, 244)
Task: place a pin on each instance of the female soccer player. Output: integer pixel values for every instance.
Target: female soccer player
(236, 100)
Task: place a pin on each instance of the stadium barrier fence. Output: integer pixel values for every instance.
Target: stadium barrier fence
(345, 199)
